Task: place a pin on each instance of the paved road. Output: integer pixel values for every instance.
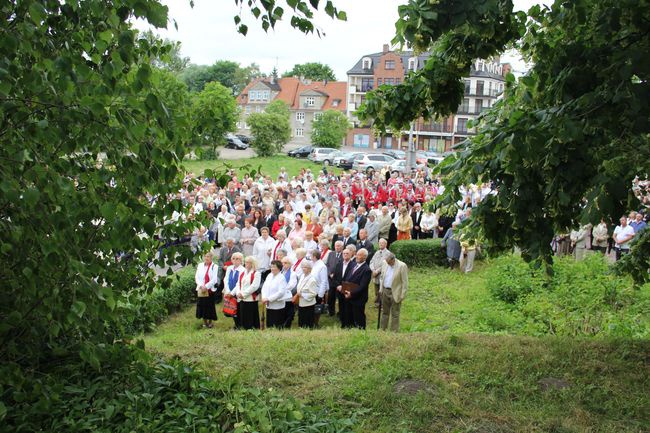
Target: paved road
(249, 153)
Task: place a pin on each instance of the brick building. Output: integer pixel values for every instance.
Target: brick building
(306, 100)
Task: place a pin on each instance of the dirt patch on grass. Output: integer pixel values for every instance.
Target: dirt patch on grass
(412, 387)
(552, 384)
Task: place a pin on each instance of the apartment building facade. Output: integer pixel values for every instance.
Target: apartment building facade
(483, 86)
(307, 100)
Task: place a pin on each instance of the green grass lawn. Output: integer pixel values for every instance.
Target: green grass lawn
(270, 165)
(442, 380)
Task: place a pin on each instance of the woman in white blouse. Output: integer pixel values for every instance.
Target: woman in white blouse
(306, 296)
(206, 279)
(231, 280)
(247, 289)
(429, 224)
(292, 283)
(275, 295)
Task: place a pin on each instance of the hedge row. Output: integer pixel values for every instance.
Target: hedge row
(420, 253)
(146, 310)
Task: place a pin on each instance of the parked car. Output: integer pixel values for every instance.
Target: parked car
(346, 160)
(320, 154)
(400, 166)
(332, 158)
(301, 152)
(232, 142)
(372, 161)
(396, 154)
(433, 158)
(245, 139)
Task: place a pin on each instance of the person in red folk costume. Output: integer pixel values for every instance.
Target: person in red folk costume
(393, 180)
(382, 194)
(420, 192)
(346, 207)
(357, 192)
(370, 196)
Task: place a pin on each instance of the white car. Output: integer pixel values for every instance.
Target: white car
(400, 166)
(320, 154)
(372, 161)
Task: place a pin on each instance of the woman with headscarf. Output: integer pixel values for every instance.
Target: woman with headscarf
(206, 279)
(275, 294)
(230, 283)
(248, 288)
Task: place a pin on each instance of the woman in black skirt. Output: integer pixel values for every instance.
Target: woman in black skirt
(275, 293)
(306, 297)
(247, 291)
(206, 280)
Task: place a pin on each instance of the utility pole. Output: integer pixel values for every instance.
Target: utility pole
(410, 152)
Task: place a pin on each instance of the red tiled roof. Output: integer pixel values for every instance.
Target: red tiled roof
(291, 88)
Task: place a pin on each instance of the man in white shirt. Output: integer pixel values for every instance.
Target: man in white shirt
(309, 243)
(622, 236)
(319, 271)
(394, 284)
(375, 266)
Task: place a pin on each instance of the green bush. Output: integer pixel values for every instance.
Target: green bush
(423, 252)
(510, 278)
(581, 298)
(133, 394)
(209, 153)
(146, 310)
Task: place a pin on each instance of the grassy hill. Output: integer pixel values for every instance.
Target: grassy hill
(444, 380)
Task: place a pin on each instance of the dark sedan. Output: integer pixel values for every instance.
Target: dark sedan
(301, 152)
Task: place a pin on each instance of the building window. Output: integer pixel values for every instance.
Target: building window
(461, 126)
(479, 87)
(379, 81)
(366, 63)
(467, 87)
(366, 84)
(300, 116)
(300, 132)
(258, 109)
(238, 125)
(311, 101)
(478, 106)
(246, 125)
(413, 64)
(464, 107)
(253, 96)
(318, 116)
(490, 89)
(397, 81)
(247, 109)
(389, 64)
(336, 102)
(265, 95)
(389, 81)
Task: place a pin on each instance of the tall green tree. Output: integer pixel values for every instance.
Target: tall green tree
(313, 71)
(330, 129)
(566, 141)
(270, 130)
(168, 53)
(228, 73)
(214, 113)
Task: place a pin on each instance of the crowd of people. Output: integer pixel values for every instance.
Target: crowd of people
(311, 243)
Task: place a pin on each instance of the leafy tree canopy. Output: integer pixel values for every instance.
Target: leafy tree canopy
(564, 144)
(168, 55)
(214, 113)
(228, 73)
(330, 129)
(313, 71)
(270, 130)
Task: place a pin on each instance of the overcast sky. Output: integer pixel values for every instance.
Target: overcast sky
(207, 33)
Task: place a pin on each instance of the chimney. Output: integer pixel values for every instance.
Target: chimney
(386, 48)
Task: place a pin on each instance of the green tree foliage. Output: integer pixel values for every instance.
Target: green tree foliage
(312, 70)
(564, 144)
(168, 55)
(329, 130)
(270, 130)
(214, 113)
(228, 73)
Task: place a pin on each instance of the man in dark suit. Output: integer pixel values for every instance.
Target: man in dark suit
(269, 218)
(416, 217)
(359, 273)
(342, 268)
(362, 218)
(347, 238)
(363, 242)
(332, 262)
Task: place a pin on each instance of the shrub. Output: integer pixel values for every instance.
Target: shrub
(209, 153)
(510, 278)
(133, 394)
(146, 310)
(581, 299)
(423, 252)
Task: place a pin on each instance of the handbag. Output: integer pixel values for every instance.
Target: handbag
(230, 306)
(320, 309)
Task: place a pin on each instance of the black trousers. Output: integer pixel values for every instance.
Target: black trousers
(331, 300)
(249, 315)
(356, 316)
(306, 316)
(290, 312)
(275, 318)
(345, 314)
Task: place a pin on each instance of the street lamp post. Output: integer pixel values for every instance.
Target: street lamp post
(410, 153)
